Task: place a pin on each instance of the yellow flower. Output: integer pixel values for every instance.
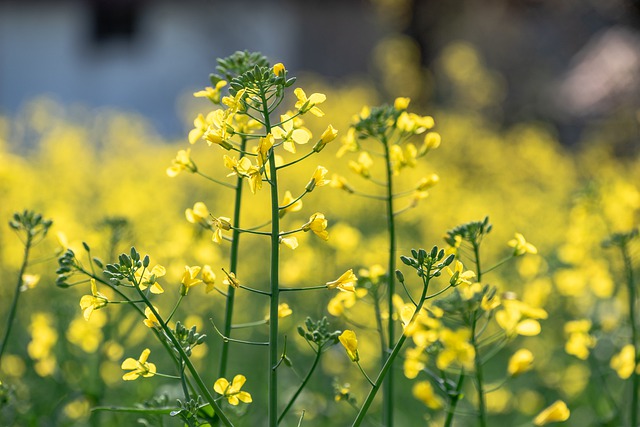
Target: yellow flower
(432, 141)
(200, 126)
(414, 362)
(624, 362)
(401, 103)
(517, 318)
(318, 179)
(150, 278)
(291, 242)
(289, 134)
(208, 277)
(327, 136)
(520, 362)
(318, 224)
(344, 300)
(29, 281)
(305, 104)
(138, 367)
(231, 391)
(245, 169)
(198, 214)
(341, 183)
(95, 301)
(460, 275)
(189, 279)
(181, 162)
(362, 166)
(521, 246)
(349, 143)
(231, 279)
(579, 341)
(346, 282)
(350, 342)
(456, 348)
(213, 94)
(423, 391)
(219, 224)
(278, 69)
(427, 182)
(557, 412)
(291, 206)
(264, 146)
(283, 311)
(151, 320)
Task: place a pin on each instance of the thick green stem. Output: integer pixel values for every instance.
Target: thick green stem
(233, 267)
(454, 399)
(389, 362)
(302, 386)
(387, 392)
(274, 276)
(635, 381)
(478, 360)
(16, 295)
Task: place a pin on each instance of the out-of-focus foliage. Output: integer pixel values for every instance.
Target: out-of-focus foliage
(101, 176)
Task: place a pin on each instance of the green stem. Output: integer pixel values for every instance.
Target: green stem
(365, 374)
(274, 275)
(389, 362)
(387, 393)
(286, 165)
(16, 295)
(454, 399)
(635, 380)
(224, 184)
(479, 374)
(308, 288)
(192, 370)
(302, 386)
(233, 267)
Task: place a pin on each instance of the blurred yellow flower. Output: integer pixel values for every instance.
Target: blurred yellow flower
(208, 277)
(198, 214)
(349, 341)
(291, 242)
(362, 166)
(456, 349)
(29, 281)
(283, 311)
(624, 363)
(181, 162)
(556, 412)
(291, 206)
(200, 126)
(231, 391)
(401, 103)
(95, 301)
(344, 300)
(219, 224)
(423, 391)
(521, 246)
(579, 341)
(289, 134)
(460, 275)
(346, 282)
(138, 367)
(520, 362)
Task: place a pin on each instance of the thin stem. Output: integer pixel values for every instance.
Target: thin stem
(249, 324)
(635, 381)
(365, 374)
(175, 307)
(16, 295)
(295, 200)
(389, 362)
(302, 386)
(454, 399)
(224, 184)
(299, 159)
(379, 327)
(309, 288)
(479, 374)
(387, 396)
(255, 291)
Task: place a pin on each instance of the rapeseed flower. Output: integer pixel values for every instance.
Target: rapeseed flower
(318, 224)
(346, 282)
(349, 341)
(95, 301)
(556, 412)
(231, 391)
(138, 367)
(305, 104)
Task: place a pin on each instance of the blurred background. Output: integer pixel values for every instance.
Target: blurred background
(568, 63)
(538, 105)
